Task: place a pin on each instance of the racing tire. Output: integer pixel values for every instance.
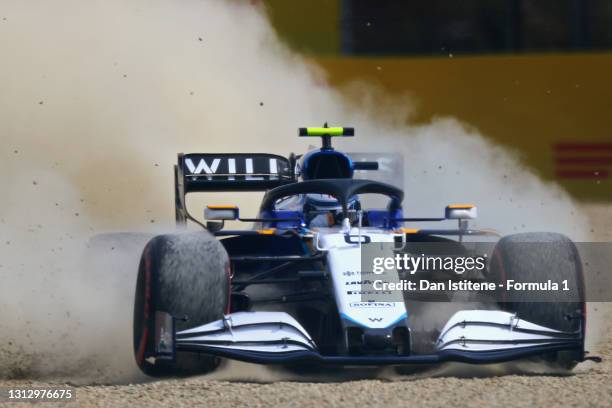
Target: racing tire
(187, 276)
(536, 257)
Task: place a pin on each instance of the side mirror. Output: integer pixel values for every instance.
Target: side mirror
(221, 212)
(461, 212)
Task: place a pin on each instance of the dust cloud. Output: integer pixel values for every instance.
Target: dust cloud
(96, 99)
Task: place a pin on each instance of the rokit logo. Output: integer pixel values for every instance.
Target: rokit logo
(250, 167)
(363, 282)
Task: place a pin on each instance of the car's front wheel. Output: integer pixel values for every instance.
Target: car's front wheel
(537, 257)
(184, 275)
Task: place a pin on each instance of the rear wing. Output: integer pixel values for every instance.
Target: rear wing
(201, 172)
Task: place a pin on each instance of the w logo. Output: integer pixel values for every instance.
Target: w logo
(375, 319)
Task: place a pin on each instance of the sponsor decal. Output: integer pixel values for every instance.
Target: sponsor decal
(248, 167)
(368, 292)
(364, 282)
(357, 273)
(371, 304)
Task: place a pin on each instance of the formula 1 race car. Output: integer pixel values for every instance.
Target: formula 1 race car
(289, 291)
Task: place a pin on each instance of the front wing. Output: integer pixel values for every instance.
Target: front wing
(471, 336)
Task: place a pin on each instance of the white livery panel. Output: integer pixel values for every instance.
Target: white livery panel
(344, 263)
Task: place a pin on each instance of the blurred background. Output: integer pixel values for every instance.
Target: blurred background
(532, 75)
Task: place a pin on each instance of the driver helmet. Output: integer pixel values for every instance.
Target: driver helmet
(325, 208)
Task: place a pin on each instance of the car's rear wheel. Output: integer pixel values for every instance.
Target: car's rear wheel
(536, 257)
(184, 275)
